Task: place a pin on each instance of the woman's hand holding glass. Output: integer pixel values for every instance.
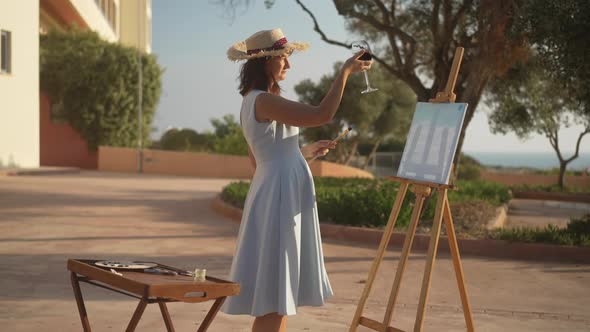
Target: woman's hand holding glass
(354, 65)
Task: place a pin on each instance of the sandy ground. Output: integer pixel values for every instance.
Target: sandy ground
(46, 219)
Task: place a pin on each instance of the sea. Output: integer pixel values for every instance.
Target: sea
(538, 160)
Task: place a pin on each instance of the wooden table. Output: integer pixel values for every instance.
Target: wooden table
(150, 288)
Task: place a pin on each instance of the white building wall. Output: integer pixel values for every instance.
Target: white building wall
(95, 19)
(136, 24)
(19, 90)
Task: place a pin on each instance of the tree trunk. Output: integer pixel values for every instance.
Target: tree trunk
(562, 167)
(477, 79)
(352, 153)
(375, 147)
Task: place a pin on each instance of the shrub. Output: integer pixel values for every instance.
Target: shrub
(368, 202)
(235, 193)
(93, 85)
(469, 168)
(577, 233)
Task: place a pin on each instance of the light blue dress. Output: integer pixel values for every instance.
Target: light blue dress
(279, 262)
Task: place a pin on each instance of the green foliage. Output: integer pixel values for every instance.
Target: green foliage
(559, 30)
(93, 85)
(186, 140)
(469, 168)
(529, 101)
(577, 233)
(368, 202)
(227, 138)
(235, 193)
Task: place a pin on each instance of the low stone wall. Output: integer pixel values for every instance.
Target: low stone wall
(582, 181)
(202, 164)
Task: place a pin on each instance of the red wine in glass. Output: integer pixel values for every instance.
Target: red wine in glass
(366, 56)
(363, 45)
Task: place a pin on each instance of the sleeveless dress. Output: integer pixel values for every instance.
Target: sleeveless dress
(279, 262)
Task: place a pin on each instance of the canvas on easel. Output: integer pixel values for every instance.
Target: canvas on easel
(432, 142)
(426, 166)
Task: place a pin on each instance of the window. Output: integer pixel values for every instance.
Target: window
(5, 52)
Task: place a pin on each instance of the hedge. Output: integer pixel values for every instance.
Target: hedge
(368, 202)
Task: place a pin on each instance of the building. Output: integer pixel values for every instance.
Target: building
(28, 136)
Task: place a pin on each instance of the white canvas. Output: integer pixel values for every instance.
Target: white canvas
(432, 142)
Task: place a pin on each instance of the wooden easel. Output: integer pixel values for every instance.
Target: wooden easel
(442, 212)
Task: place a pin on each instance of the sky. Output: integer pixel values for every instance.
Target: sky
(190, 39)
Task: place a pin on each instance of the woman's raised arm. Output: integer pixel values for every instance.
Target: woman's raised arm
(273, 107)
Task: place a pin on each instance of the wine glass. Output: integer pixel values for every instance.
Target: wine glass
(356, 46)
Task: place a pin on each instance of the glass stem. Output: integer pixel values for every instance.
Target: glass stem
(367, 79)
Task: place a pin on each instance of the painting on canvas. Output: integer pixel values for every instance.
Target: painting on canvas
(432, 142)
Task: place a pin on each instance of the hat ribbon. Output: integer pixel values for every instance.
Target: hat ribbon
(276, 46)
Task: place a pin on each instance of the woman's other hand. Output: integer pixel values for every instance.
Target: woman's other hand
(354, 65)
(317, 149)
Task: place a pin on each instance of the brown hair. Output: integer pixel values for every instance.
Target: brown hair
(253, 76)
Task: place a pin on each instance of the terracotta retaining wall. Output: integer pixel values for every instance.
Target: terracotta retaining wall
(487, 248)
(60, 144)
(509, 179)
(202, 164)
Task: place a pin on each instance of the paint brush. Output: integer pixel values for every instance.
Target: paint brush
(346, 131)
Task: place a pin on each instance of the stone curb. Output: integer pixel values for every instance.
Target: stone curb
(553, 196)
(480, 247)
(39, 171)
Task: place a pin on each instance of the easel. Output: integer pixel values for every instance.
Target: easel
(443, 212)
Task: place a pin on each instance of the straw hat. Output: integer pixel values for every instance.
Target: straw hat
(264, 43)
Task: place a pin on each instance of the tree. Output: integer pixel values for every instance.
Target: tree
(558, 31)
(417, 40)
(529, 101)
(93, 84)
(227, 138)
(186, 140)
(559, 74)
(384, 114)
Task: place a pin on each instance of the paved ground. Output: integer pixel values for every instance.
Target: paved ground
(46, 219)
(539, 213)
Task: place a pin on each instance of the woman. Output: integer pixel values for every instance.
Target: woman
(279, 261)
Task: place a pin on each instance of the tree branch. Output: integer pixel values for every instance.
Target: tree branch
(408, 75)
(460, 13)
(390, 34)
(582, 134)
(554, 141)
(383, 9)
(316, 27)
(434, 23)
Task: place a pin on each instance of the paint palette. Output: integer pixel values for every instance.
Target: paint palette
(126, 265)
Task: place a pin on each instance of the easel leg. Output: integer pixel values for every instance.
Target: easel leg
(136, 315)
(454, 249)
(166, 316)
(434, 237)
(401, 194)
(80, 302)
(403, 259)
(211, 314)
